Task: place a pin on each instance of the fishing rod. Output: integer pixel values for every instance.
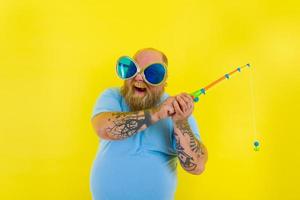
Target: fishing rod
(203, 90)
(195, 95)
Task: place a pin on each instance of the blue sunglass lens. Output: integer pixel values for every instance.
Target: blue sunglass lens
(155, 73)
(126, 68)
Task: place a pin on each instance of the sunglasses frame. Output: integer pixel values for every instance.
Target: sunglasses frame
(139, 70)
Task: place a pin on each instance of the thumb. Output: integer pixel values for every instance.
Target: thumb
(170, 110)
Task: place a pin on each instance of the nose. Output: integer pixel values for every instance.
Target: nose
(138, 77)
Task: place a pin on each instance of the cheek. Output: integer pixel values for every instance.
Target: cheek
(128, 83)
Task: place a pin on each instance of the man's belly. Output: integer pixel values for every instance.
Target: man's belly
(141, 176)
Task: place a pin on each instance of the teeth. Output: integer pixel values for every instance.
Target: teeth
(140, 86)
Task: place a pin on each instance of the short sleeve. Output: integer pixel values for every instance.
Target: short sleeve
(108, 101)
(194, 127)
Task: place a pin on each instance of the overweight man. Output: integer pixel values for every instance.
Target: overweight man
(143, 132)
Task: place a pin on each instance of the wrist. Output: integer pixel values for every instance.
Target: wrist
(154, 115)
(180, 121)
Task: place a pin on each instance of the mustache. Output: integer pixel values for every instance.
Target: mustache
(137, 103)
(140, 84)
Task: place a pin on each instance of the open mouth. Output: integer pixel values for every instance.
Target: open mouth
(140, 89)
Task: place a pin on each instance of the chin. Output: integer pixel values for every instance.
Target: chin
(138, 94)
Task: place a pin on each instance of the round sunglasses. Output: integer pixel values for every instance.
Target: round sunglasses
(154, 73)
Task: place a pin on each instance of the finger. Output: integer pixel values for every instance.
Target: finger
(177, 108)
(170, 100)
(189, 96)
(170, 110)
(188, 101)
(182, 103)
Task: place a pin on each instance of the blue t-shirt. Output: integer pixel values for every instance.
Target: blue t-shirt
(141, 167)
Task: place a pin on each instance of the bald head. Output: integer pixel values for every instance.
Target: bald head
(147, 56)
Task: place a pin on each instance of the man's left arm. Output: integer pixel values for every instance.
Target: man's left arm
(192, 154)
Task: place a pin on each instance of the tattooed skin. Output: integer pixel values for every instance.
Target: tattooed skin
(186, 160)
(127, 124)
(184, 127)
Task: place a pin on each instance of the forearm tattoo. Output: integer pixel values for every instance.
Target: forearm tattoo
(186, 160)
(184, 127)
(126, 124)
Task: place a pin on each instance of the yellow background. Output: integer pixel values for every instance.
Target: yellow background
(56, 57)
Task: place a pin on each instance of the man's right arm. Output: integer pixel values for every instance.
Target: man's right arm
(121, 125)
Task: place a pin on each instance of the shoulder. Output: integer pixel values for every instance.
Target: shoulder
(108, 101)
(164, 97)
(112, 91)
